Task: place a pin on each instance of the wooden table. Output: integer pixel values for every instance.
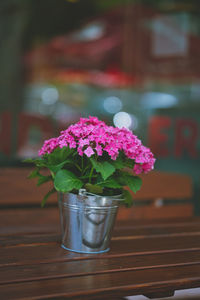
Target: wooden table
(152, 258)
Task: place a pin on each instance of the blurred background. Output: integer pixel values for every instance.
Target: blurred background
(131, 63)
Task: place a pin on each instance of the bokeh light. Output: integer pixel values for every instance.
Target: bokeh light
(122, 119)
(50, 96)
(112, 104)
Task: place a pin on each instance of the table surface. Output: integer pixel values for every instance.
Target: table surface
(152, 258)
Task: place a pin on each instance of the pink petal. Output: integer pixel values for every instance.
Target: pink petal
(89, 151)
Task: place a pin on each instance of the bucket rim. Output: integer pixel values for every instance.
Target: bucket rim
(87, 195)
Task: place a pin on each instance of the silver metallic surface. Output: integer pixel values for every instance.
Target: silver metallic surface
(87, 221)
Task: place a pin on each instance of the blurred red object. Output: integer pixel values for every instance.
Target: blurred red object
(135, 39)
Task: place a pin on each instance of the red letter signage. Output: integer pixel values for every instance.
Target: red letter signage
(157, 137)
(186, 135)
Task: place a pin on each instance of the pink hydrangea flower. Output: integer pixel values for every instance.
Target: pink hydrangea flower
(89, 151)
(99, 150)
(113, 149)
(90, 136)
(49, 146)
(83, 142)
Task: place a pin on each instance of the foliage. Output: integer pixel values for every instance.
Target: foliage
(93, 156)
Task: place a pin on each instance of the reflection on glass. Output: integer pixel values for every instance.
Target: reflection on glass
(122, 119)
(50, 96)
(112, 104)
(158, 100)
(90, 32)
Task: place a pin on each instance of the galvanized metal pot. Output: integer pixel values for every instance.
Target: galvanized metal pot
(87, 221)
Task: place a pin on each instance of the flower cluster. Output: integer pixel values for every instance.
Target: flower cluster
(91, 136)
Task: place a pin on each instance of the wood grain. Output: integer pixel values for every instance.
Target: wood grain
(131, 283)
(120, 233)
(13, 221)
(92, 266)
(22, 191)
(151, 258)
(165, 185)
(153, 212)
(148, 255)
(34, 253)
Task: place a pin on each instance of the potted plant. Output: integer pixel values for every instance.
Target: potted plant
(89, 164)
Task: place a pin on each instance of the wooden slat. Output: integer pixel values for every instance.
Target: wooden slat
(45, 252)
(155, 229)
(164, 185)
(152, 212)
(43, 233)
(19, 221)
(109, 284)
(16, 189)
(156, 184)
(146, 257)
(90, 266)
(23, 192)
(29, 220)
(119, 233)
(158, 223)
(34, 238)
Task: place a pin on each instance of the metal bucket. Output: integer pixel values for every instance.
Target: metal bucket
(87, 221)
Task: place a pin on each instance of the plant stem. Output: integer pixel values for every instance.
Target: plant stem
(78, 167)
(82, 165)
(90, 176)
(84, 171)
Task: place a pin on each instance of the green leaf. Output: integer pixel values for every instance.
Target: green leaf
(118, 163)
(104, 168)
(122, 162)
(29, 160)
(42, 179)
(56, 168)
(128, 201)
(39, 162)
(133, 182)
(93, 188)
(65, 181)
(47, 196)
(59, 155)
(129, 163)
(110, 183)
(35, 173)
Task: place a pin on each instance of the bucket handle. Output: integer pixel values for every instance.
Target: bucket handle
(83, 192)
